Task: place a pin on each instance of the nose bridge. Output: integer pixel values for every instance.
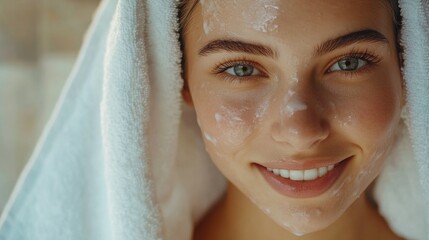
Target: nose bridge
(292, 103)
(301, 123)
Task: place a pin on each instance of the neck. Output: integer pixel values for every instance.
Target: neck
(235, 217)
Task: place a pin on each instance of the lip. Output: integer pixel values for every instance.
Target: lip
(303, 189)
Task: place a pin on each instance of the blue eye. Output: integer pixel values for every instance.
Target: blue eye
(348, 64)
(242, 70)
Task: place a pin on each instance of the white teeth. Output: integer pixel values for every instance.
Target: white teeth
(310, 174)
(300, 175)
(296, 175)
(323, 171)
(284, 173)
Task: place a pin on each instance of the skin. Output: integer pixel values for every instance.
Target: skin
(293, 107)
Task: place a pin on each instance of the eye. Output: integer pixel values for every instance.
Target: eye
(242, 70)
(348, 64)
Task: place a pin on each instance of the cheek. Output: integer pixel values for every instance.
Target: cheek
(369, 117)
(228, 116)
(370, 122)
(378, 126)
(379, 117)
(228, 125)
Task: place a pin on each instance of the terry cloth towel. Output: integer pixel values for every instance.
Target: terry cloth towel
(122, 158)
(402, 188)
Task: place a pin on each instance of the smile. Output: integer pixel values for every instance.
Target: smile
(303, 183)
(302, 175)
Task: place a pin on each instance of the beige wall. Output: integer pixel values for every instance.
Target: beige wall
(39, 41)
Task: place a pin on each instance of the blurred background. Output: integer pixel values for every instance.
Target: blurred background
(39, 42)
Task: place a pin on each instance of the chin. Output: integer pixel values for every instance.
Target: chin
(307, 219)
(303, 223)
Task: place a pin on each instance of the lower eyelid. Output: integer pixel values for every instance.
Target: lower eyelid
(234, 80)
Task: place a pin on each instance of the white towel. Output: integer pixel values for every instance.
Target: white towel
(122, 158)
(402, 188)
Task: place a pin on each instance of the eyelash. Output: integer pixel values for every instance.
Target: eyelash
(368, 56)
(220, 69)
(371, 59)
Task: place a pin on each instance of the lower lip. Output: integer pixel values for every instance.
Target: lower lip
(303, 189)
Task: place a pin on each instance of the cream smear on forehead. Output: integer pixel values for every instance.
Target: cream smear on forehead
(210, 14)
(261, 15)
(257, 15)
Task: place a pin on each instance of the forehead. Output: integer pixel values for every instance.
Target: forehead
(294, 22)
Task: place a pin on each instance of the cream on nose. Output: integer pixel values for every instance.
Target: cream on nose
(299, 124)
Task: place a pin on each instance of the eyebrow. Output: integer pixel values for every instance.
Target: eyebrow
(232, 45)
(367, 35)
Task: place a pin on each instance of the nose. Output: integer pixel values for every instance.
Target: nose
(300, 124)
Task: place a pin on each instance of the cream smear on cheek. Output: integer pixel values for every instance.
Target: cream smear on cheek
(343, 120)
(232, 119)
(232, 124)
(235, 124)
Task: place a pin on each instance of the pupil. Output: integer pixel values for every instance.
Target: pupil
(349, 64)
(243, 70)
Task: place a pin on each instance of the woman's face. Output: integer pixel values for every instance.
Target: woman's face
(298, 102)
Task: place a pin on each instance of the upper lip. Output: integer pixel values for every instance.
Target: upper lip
(303, 163)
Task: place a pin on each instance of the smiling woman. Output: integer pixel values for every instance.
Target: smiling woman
(298, 118)
(243, 119)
